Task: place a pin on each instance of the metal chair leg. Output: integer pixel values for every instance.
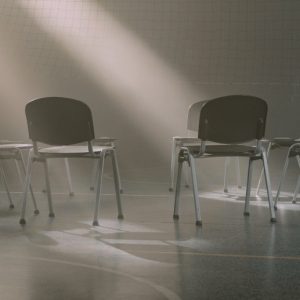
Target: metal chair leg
(117, 183)
(238, 173)
(36, 211)
(117, 170)
(70, 185)
(177, 188)
(269, 188)
(3, 176)
(173, 164)
(26, 187)
(98, 186)
(227, 161)
(296, 191)
(286, 164)
(248, 187)
(94, 176)
(298, 183)
(195, 191)
(48, 189)
(262, 171)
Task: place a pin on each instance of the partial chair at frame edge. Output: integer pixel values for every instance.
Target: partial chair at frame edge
(219, 120)
(294, 151)
(63, 124)
(278, 143)
(13, 150)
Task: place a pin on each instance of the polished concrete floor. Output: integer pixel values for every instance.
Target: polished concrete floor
(148, 255)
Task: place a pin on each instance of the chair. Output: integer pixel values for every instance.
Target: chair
(14, 150)
(279, 143)
(191, 138)
(293, 151)
(228, 123)
(63, 128)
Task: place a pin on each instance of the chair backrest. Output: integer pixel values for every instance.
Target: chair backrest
(193, 115)
(233, 119)
(59, 121)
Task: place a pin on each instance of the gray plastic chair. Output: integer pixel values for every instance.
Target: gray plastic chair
(293, 151)
(11, 150)
(280, 143)
(191, 138)
(229, 122)
(66, 126)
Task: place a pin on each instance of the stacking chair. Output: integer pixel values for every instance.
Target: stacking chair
(191, 138)
(14, 150)
(280, 143)
(227, 125)
(293, 151)
(63, 128)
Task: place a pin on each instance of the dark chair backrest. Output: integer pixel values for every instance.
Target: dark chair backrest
(59, 121)
(233, 119)
(193, 115)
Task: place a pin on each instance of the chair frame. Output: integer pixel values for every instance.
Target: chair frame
(205, 134)
(60, 144)
(13, 150)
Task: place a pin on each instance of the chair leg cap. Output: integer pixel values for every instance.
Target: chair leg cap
(91, 188)
(294, 201)
(273, 220)
(171, 189)
(275, 207)
(95, 223)
(11, 206)
(239, 186)
(246, 214)
(198, 223)
(175, 217)
(71, 194)
(51, 215)
(120, 217)
(22, 222)
(121, 191)
(225, 190)
(36, 212)
(44, 191)
(187, 186)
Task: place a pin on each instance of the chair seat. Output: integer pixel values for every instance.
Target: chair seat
(71, 150)
(225, 150)
(187, 140)
(12, 146)
(282, 142)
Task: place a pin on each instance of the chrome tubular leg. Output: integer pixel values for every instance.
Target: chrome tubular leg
(173, 163)
(195, 190)
(117, 170)
(296, 190)
(36, 211)
(11, 205)
(269, 187)
(99, 176)
(227, 161)
(48, 189)
(238, 173)
(69, 178)
(26, 187)
(178, 187)
(262, 171)
(248, 187)
(117, 183)
(286, 164)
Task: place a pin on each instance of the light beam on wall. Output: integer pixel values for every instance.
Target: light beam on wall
(144, 87)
